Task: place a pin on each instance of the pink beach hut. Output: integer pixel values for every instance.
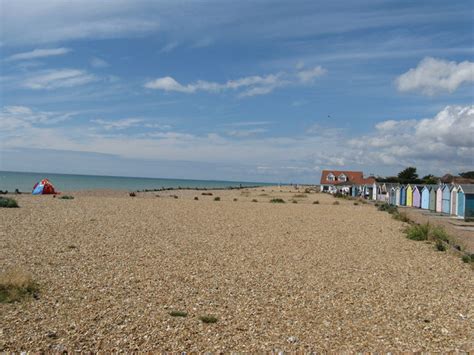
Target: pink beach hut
(439, 199)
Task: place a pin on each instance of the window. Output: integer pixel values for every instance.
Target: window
(342, 177)
(331, 177)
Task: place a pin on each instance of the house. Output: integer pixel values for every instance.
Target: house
(349, 182)
(465, 201)
(454, 200)
(446, 199)
(458, 180)
(439, 198)
(409, 195)
(416, 201)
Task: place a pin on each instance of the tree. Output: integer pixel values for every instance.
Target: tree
(408, 175)
(429, 179)
(467, 174)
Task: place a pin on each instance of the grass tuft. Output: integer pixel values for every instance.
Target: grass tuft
(418, 232)
(66, 197)
(208, 319)
(299, 196)
(254, 200)
(277, 200)
(16, 285)
(217, 198)
(235, 200)
(401, 216)
(207, 194)
(356, 203)
(196, 198)
(178, 314)
(316, 202)
(8, 202)
(335, 203)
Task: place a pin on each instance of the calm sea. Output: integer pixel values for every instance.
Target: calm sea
(63, 182)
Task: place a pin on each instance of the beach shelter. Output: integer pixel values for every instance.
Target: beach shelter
(397, 196)
(432, 206)
(44, 187)
(416, 202)
(393, 196)
(439, 198)
(425, 197)
(409, 195)
(403, 195)
(454, 200)
(465, 201)
(446, 204)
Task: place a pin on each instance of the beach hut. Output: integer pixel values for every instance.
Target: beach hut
(425, 197)
(465, 201)
(403, 195)
(433, 189)
(392, 199)
(409, 195)
(417, 196)
(454, 200)
(439, 198)
(446, 204)
(397, 196)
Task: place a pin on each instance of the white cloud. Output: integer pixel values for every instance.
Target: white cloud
(169, 47)
(249, 86)
(61, 78)
(242, 133)
(39, 53)
(17, 117)
(308, 75)
(54, 21)
(433, 76)
(447, 138)
(118, 124)
(98, 63)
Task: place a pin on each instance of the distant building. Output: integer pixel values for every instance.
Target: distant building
(346, 181)
(451, 179)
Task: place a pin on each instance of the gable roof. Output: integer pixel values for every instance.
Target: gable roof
(353, 178)
(467, 189)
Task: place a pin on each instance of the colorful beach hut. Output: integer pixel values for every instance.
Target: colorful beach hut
(416, 202)
(403, 195)
(446, 204)
(392, 199)
(425, 197)
(409, 195)
(465, 201)
(439, 198)
(397, 196)
(454, 200)
(433, 189)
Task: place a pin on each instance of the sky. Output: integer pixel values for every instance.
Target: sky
(270, 91)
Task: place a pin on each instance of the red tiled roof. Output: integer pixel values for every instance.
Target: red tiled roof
(353, 178)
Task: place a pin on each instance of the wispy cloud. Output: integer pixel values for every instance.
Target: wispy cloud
(60, 78)
(118, 124)
(249, 86)
(39, 53)
(16, 117)
(98, 63)
(169, 47)
(433, 76)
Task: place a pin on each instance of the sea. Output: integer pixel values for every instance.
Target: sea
(24, 182)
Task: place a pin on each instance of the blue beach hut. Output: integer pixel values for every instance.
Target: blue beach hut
(446, 199)
(425, 197)
(465, 201)
(403, 195)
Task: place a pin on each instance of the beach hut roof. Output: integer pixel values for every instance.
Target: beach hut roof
(467, 189)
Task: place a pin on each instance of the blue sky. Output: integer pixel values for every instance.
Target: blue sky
(250, 90)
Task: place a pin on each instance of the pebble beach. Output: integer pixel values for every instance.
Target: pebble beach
(114, 271)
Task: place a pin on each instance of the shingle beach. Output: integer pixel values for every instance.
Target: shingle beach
(294, 276)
